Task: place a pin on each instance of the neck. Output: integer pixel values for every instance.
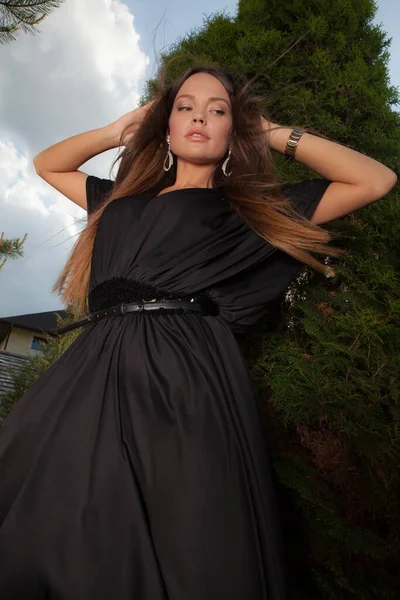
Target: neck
(190, 175)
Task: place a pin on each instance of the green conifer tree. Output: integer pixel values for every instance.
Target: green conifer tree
(10, 248)
(23, 15)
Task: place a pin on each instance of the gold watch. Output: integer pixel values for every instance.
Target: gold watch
(291, 144)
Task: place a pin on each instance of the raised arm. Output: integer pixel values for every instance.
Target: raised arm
(59, 164)
(357, 179)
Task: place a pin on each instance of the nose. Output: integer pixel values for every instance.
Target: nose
(198, 116)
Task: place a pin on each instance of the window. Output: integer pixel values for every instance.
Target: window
(37, 343)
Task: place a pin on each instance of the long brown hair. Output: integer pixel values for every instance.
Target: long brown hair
(252, 188)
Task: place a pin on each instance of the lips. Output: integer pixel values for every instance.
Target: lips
(197, 133)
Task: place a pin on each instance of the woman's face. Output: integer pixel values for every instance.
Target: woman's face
(202, 102)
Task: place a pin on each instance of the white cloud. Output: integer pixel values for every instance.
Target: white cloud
(82, 71)
(52, 222)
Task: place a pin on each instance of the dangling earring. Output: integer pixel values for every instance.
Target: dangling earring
(225, 165)
(169, 157)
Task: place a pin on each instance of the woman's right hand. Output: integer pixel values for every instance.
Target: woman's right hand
(133, 119)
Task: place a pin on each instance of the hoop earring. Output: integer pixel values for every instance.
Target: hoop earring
(169, 157)
(225, 165)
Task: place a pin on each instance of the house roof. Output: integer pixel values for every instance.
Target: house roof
(8, 359)
(43, 321)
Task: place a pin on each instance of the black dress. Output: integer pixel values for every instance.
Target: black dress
(136, 467)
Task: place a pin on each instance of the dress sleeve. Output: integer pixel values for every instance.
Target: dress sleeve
(259, 288)
(97, 190)
(306, 194)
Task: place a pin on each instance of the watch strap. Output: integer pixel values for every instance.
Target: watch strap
(291, 144)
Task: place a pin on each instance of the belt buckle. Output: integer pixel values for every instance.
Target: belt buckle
(123, 308)
(147, 304)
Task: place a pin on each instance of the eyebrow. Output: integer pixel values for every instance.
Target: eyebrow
(212, 98)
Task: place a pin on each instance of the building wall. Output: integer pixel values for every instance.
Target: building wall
(20, 342)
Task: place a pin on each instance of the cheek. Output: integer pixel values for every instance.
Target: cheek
(175, 126)
(222, 132)
(227, 127)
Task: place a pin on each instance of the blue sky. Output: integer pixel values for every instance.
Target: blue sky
(85, 67)
(388, 15)
(173, 19)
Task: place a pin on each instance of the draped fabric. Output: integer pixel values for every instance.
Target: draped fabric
(136, 467)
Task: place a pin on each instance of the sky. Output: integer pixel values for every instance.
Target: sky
(76, 74)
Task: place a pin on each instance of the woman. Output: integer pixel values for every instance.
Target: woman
(136, 466)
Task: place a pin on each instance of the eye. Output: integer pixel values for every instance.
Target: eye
(218, 110)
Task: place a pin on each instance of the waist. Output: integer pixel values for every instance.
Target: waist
(121, 290)
(119, 296)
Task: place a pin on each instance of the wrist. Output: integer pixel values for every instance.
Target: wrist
(278, 138)
(111, 134)
(275, 134)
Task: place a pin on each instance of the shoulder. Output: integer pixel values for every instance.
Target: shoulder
(97, 190)
(305, 194)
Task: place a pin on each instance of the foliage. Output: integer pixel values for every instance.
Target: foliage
(16, 15)
(10, 248)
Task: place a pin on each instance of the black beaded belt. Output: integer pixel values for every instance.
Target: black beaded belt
(121, 309)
